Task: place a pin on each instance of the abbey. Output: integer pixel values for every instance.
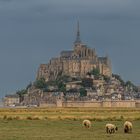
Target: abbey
(75, 63)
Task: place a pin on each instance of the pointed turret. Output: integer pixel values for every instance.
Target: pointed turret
(78, 40)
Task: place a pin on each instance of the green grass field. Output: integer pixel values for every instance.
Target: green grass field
(66, 123)
(62, 130)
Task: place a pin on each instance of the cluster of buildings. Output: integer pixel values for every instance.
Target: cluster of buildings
(100, 90)
(76, 63)
(105, 93)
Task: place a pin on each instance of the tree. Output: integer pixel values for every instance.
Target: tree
(21, 94)
(118, 77)
(29, 85)
(106, 78)
(131, 86)
(83, 92)
(135, 89)
(61, 87)
(128, 84)
(41, 83)
(95, 72)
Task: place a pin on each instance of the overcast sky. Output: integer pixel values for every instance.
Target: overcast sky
(33, 31)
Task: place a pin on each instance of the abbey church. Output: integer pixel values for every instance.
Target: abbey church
(75, 63)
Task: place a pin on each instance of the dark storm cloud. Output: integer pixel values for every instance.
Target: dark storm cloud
(33, 31)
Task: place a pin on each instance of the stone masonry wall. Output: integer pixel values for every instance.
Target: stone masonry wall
(99, 104)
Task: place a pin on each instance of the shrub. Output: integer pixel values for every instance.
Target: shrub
(29, 118)
(121, 117)
(17, 118)
(9, 118)
(5, 117)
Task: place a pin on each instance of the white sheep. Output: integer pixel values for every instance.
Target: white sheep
(87, 123)
(128, 127)
(111, 128)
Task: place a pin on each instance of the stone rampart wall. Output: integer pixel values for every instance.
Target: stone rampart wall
(117, 103)
(137, 103)
(99, 104)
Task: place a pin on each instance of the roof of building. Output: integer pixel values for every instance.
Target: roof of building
(103, 59)
(66, 53)
(12, 96)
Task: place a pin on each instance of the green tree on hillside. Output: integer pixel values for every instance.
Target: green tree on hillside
(21, 94)
(106, 78)
(118, 77)
(61, 87)
(29, 85)
(131, 86)
(95, 72)
(83, 92)
(41, 83)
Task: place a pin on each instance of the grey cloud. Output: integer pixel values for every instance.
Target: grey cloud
(33, 31)
(100, 10)
(6, 0)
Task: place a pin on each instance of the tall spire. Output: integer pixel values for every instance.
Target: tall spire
(78, 40)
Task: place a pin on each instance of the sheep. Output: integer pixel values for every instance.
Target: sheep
(111, 128)
(128, 127)
(87, 123)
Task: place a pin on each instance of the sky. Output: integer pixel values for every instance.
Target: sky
(33, 31)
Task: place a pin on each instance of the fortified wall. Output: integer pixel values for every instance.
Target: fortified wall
(118, 103)
(99, 104)
(137, 103)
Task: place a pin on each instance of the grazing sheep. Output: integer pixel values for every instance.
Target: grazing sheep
(128, 127)
(87, 123)
(111, 128)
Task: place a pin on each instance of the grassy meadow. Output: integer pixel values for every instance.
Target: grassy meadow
(66, 123)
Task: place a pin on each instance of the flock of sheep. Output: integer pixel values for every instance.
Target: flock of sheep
(111, 128)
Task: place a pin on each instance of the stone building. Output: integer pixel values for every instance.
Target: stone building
(36, 97)
(11, 100)
(75, 63)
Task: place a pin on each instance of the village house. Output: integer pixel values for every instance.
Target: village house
(11, 100)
